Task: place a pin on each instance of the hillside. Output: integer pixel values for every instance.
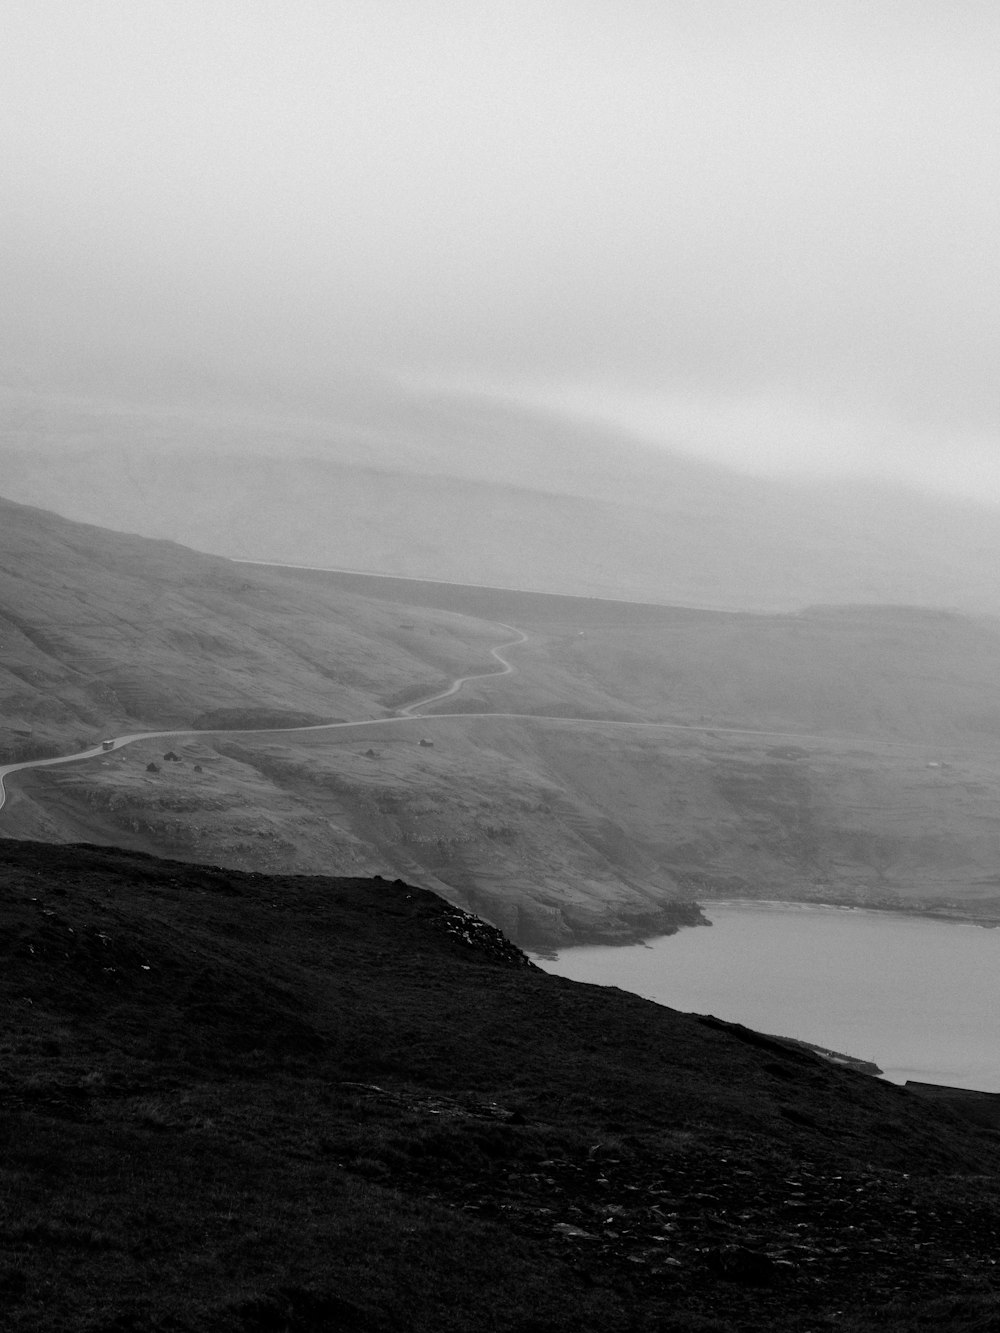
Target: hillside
(638, 759)
(903, 674)
(234, 1102)
(469, 488)
(104, 631)
(559, 832)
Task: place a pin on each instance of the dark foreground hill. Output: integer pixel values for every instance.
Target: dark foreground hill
(242, 1102)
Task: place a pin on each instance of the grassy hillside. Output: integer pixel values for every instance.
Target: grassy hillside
(103, 631)
(837, 754)
(235, 1102)
(905, 674)
(561, 833)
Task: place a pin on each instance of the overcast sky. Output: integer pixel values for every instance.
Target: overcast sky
(764, 230)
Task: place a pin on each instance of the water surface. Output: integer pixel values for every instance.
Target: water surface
(919, 997)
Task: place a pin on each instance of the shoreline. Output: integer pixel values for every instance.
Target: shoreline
(804, 973)
(647, 938)
(950, 915)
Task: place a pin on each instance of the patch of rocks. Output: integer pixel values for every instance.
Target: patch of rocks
(449, 1108)
(800, 1234)
(487, 940)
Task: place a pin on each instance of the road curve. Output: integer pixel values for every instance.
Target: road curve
(505, 669)
(402, 715)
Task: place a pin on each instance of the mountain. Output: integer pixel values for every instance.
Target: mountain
(239, 1103)
(473, 489)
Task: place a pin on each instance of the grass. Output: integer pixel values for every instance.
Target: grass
(322, 1107)
(560, 831)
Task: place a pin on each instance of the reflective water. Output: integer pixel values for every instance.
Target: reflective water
(919, 997)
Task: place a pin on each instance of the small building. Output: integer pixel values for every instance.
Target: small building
(428, 745)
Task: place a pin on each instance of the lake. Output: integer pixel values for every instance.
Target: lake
(919, 997)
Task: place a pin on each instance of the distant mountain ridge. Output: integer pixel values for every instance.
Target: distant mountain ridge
(472, 489)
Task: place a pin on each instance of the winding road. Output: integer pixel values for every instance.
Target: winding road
(505, 670)
(406, 714)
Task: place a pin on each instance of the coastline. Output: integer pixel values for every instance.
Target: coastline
(647, 931)
(951, 914)
(882, 985)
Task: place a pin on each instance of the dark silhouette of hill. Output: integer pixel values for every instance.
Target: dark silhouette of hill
(244, 1102)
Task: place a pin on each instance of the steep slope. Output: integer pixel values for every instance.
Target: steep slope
(102, 631)
(240, 1102)
(559, 832)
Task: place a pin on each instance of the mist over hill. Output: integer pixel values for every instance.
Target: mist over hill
(462, 488)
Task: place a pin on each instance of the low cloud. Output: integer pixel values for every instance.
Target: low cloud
(765, 234)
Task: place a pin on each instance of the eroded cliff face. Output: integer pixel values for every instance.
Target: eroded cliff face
(523, 858)
(556, 831)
